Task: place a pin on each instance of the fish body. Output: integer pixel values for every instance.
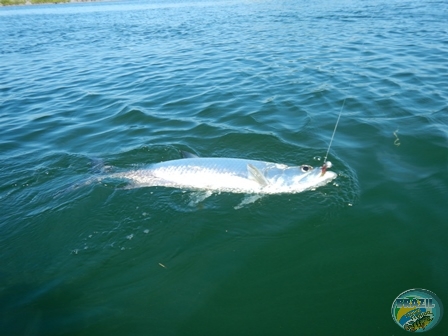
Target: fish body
(228, 175)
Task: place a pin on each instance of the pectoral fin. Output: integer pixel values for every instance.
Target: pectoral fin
(257, 175)
(248, 199)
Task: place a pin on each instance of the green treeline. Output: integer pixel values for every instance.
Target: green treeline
(12, 2)
(47, 1)
(24, 2)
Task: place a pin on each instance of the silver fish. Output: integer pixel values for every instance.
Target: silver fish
(228, 175)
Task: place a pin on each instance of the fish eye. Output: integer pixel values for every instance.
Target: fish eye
(305, 168)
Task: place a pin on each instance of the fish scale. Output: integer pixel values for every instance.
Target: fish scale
(228, 175)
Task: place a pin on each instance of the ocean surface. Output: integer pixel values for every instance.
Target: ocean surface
(92, 88)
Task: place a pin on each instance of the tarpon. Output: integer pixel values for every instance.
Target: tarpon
(228, 175)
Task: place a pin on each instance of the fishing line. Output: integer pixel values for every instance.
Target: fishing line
(334, 131)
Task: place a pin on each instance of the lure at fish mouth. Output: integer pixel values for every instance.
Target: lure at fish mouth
(228, 175)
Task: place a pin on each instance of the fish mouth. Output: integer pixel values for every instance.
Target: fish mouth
(320, 177)
(329, 176)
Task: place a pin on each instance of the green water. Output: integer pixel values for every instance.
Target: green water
(87, 89)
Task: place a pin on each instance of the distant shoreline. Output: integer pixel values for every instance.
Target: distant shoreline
(40, 2)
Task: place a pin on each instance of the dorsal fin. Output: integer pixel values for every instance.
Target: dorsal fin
(188, 155)
(257, 175)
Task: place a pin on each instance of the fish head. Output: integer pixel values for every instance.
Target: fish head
(311, 178)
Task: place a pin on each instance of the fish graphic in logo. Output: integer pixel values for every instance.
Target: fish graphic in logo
(417, 310)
